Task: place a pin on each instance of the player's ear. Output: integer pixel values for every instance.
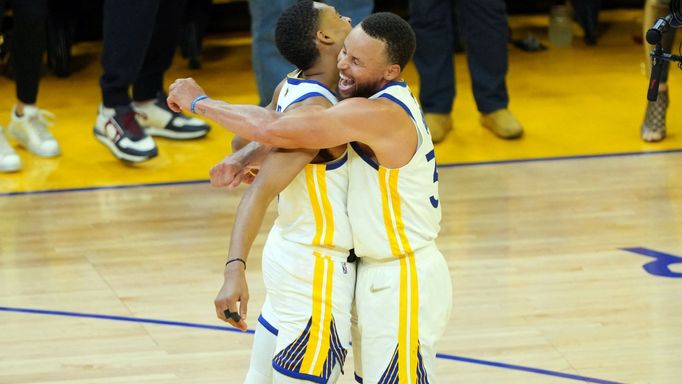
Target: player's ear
(324, 38)
(393, 72)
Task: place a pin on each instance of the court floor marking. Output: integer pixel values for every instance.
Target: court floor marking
(444, 165)
(235, 330)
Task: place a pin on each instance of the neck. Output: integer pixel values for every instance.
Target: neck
(324, 71)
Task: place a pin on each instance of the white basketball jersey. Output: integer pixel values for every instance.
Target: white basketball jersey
(394, 212)
(312, 208)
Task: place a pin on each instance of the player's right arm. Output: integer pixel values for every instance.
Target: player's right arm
(278, 170)
(242, 164)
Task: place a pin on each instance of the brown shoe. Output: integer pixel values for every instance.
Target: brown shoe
(439, 124)
(503, 124)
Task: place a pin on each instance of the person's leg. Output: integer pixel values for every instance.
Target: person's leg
(263, 348)
(28, 124)
(127, 30)
(654, 127)
(128, 26)
(149, 98)
(311, 296)
(485, 28)
(587, 14)
(414, 296)
(268, 65)
(159, 54)
(432, 24)
(28, 46)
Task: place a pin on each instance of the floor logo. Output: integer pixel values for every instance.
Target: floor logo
(661, 265)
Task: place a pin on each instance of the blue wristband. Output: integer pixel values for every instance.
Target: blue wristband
(196, 100)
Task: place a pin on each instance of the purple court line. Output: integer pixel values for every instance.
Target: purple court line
(250, 331)
(444, 165)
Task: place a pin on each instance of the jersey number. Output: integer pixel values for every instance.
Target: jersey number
(431, 157)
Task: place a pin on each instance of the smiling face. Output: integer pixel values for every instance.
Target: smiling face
(363, 65)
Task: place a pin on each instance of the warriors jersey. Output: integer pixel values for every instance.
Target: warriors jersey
(308, 281)
(312, 208)
(394, 212)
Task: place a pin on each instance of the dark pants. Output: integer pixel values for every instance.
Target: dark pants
(587, 14)
(140, 37)
(484, 28)
(28, 46)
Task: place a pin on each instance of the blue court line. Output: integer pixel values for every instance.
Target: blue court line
(561, 158)
(124, 318)
(525, 369)
(250, 331)
(444, 165)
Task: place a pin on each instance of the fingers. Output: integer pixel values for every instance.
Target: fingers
(236, 181)
(222, 310)
(173, 106)
(218, 176)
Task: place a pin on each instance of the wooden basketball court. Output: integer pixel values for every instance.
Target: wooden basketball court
(565, 247)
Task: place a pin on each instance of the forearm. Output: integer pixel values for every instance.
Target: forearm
(250, 215)
(246, 121)
(251, 155)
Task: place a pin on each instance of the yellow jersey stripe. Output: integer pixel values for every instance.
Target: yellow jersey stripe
(312, 193)
(409, 288)
(314, 339)
(326, 318)
(321, 171)
(388, 221)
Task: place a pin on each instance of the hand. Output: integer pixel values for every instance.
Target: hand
(181, 93)
(234, 290)
(230, 172)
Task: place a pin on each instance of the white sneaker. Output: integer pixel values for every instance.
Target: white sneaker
(31, 131)
(158, 120)
(9, 160)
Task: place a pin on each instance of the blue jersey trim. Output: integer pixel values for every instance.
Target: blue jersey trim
(298, 375)
(332, 165)
(267, 325)
(295, 81)
(357, 378)
(400, 103)
(391, 84)
(361, 153)
(307, 96)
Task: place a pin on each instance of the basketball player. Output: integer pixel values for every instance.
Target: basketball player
(403, 292)
(304, 328)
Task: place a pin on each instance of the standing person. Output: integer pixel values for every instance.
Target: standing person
(28, 124)
(653, 127)
(393, 205)
(483, 24)
(308, 281)
(139, 39)
(268, 65)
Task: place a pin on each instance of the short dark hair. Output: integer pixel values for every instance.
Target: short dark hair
(395, 32)
(295, 34)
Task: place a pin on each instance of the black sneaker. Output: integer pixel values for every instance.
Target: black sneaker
(119, 131)
(158, 120)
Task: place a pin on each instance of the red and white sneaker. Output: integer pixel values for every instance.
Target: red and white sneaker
(118, 129)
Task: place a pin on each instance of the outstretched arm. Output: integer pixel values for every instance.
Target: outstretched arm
(277, 171)
(375, 122)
